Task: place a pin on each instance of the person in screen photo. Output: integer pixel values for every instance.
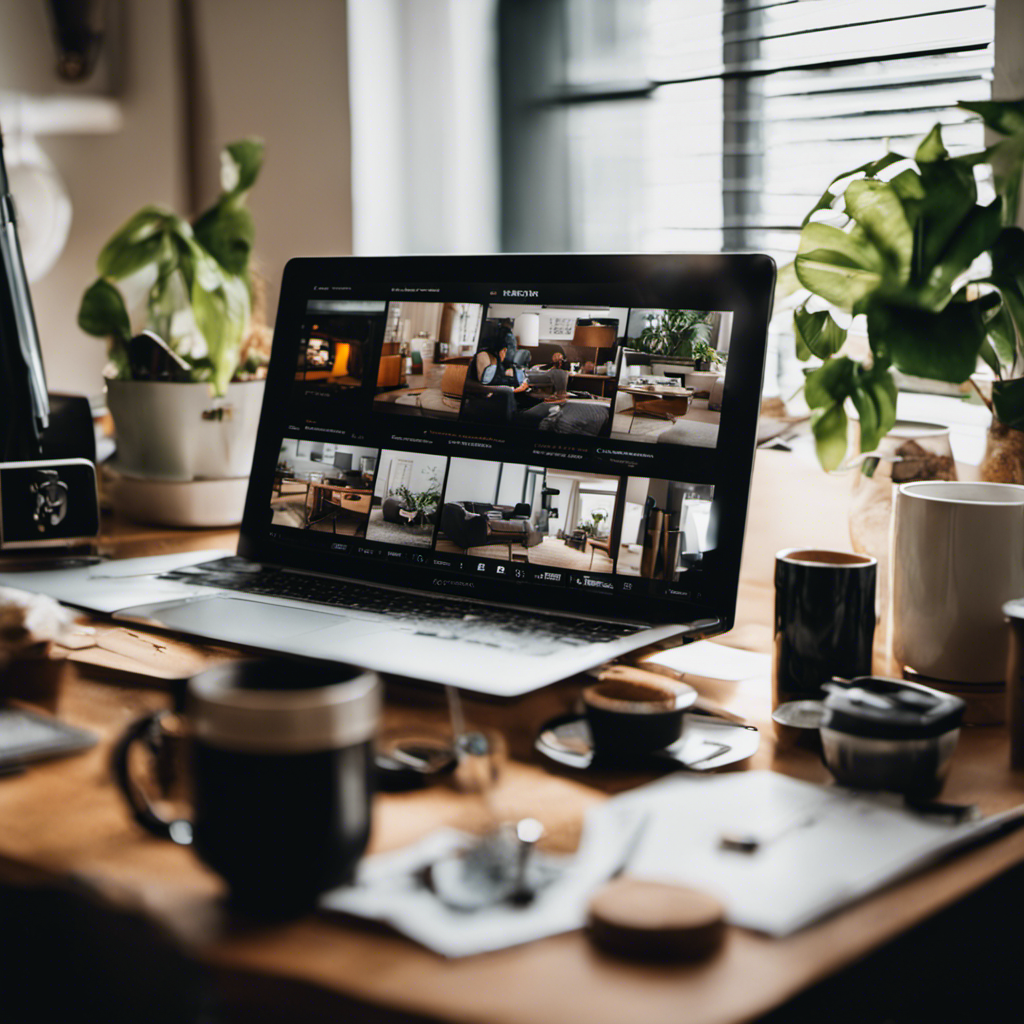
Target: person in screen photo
(507, 336)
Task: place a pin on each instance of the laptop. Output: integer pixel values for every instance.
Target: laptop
(492, 472)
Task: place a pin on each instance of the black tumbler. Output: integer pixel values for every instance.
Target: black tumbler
(280, 768)
(824, 620)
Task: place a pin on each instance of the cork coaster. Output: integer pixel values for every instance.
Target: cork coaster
(655, 921)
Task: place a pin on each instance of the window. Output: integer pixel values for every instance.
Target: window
(703, 125)
(652, 125)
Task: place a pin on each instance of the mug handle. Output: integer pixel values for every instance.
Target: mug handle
(145, 729)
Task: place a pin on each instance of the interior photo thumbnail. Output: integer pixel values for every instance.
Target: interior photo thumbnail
(406, 498)
(666, 528)
(338, 354)
(563, 519)
(546, 368)
(426, 352)
(323, 487)
(671, 377)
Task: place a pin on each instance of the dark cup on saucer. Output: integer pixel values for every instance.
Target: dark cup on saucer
(629, 720)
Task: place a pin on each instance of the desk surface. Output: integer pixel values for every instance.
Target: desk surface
(63, 820)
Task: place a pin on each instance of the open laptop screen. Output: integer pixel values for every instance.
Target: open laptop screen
(569, 432)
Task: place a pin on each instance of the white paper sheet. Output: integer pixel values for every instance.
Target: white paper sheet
(715, 661)
(387, 889)
(820, 847)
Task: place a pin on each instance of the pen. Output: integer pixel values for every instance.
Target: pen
(12, 279)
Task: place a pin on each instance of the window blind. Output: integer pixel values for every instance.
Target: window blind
(711, 124)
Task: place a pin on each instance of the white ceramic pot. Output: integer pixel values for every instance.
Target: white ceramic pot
(182, 432)
(958, 555)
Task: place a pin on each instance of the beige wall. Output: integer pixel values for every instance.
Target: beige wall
(266, 68)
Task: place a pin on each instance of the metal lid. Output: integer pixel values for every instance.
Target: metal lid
(283, 707)
(1014, 609)
(890, 709)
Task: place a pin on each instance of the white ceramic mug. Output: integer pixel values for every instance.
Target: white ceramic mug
(958, 555)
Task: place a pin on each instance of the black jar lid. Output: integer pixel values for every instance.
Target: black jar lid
(890, 709)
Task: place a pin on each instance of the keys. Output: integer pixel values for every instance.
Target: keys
(525, 632)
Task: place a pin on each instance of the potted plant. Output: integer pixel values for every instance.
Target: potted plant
(672, 334)
(189, 284)
(937, 278)
(705, 357)
(425, 502)
(592, 526)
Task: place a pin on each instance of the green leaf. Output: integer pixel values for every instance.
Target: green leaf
(817, 332)
(1003, 116)
(876, 207)
(874, 397)
(977, 233)
(786, 282)
(867, 412)
(838, 267)
(988, 354)
(950, 195)
(871, 168)
(226, 231)
(939, 346)
(1008, 273)
(103, 312)
(907, 185)
(829, 427)
(1001, 351)
(135, 245)
(831, 382)
(240, 165)
(931, 149)
(1008, 401)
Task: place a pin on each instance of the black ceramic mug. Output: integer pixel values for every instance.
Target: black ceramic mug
(824, 620)
(279, 765)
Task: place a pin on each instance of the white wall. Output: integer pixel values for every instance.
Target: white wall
(471, 480)
(420, 475)
(510, 491)
(107, 176)
(559, 501)
(298, 455)
(267, 68)
(425, 125)
(547, 314)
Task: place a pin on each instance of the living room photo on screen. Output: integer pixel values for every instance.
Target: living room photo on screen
(406, 498)
(323, 487)
(568, 519)
(337, 357)
(666, 528)
(671, 377)
(543, 367)
(425, 355)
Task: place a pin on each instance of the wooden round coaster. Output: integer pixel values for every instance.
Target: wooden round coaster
(655, 921)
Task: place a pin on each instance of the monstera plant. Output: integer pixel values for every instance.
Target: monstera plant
(937, 277)
(187, 282)
(673, 333)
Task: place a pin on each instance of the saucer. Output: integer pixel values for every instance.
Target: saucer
(707, 742)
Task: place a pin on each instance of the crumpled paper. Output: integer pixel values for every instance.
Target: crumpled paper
(28, 620)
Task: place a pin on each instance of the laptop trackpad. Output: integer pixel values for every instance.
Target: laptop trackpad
(237, 620)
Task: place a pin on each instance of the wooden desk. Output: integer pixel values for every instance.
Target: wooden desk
(63, 823)
(601, 379)
(321, 494)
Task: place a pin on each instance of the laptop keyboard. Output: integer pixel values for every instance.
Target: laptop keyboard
(525, 632)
